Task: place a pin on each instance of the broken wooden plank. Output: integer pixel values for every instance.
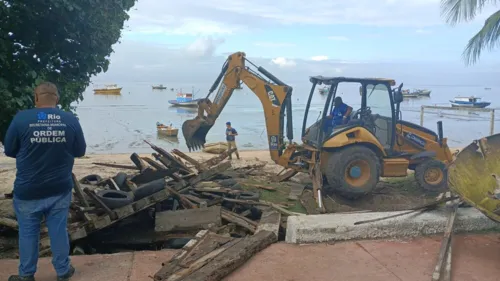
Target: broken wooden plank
(10, 223)
(184, 201)
(79, 192)
(268, 188)
(270, 221)
(118, 166)
(173, 161)
(239, 220)
(232, 258)
(170, 266)
(190, 219)
(285, 176)
(153, 163)
(210, 173)
(219, 158)
(197, 264)
(445, 243)
(199, 166)
(207, 244)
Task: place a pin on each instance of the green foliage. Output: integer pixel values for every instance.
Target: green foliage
(488, 37)
(62, 41)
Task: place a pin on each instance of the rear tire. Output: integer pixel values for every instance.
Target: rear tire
(353, 172)
(432, 175)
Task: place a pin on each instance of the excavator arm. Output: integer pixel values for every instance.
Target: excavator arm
(274, 95)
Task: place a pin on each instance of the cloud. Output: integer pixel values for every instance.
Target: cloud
(274, 44)
(203, 47)
(319, 58)
(222, 17)
(136, 63)
(283, 62)
(338, 38)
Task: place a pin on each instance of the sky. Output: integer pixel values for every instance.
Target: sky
(405, 38)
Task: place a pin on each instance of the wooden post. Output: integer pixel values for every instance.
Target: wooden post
(492, 122)
(422, 116)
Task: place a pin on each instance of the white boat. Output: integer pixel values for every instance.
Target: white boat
(423, 92)
(471, 101)
(407, 94)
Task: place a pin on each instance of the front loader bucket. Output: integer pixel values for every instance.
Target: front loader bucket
(195, 133)
(475, 175)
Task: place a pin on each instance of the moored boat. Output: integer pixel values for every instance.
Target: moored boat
(423, 92)
(111, 89)
(165, 130)
(323, 90)
(159, 87)
(471, 101)
(184, 99)
(407, 94)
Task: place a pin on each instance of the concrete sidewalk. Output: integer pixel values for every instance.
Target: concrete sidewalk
(475, 258)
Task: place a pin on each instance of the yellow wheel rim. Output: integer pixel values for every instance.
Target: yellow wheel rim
(357, 173)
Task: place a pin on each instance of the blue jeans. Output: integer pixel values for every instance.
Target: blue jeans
(29, 215)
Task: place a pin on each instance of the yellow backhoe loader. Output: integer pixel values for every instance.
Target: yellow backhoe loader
(350, 159)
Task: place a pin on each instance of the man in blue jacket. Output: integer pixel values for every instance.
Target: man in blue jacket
(340, 115)
(45, 141)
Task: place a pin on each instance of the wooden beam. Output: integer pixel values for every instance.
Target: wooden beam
(190, 219)
(232, 258)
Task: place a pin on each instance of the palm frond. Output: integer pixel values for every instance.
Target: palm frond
(456, 11)
(487, 38)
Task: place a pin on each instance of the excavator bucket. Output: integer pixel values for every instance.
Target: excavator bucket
(195, 133)
(475, 175)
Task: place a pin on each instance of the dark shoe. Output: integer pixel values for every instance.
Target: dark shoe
(21, 278)
(66, 276)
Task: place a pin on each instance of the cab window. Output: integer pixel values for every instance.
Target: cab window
(378, 99)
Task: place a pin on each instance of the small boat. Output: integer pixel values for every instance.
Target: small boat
(407, 94)
(111, 89)
(185, 100)
(159, 87)
(168, 131)
(424, 92)
(487, 89)
(471, 101)
(323, 90)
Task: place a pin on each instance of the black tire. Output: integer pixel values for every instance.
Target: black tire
(149, 188)
(115, 198)
(248, 195)
(91, 179)
(138, 162)
(347, 161)
(121, 181)
(432, 175)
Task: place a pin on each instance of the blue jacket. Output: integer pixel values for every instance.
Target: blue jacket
(44, 142)
(232, 131)
(338, 113)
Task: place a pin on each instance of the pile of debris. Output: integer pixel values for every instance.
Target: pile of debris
(167, 202)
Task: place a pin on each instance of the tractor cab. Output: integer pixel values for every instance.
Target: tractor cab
(378, 111)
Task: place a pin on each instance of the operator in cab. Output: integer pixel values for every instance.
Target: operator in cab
(340, 114)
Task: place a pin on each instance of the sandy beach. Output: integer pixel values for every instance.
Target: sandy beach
(83, 166)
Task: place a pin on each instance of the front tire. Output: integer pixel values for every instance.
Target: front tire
(353, 172)
(432, 175)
